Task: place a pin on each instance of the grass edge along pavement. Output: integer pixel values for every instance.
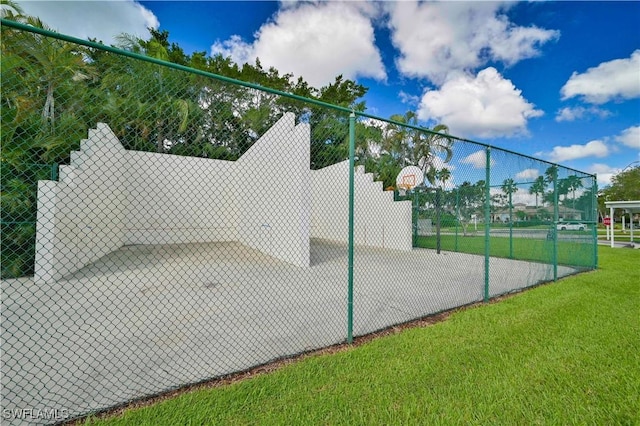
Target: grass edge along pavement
(565, 353)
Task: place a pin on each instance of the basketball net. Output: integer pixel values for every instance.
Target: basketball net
(408, 182)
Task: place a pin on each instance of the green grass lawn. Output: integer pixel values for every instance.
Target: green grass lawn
(564, 353)
(574, 253)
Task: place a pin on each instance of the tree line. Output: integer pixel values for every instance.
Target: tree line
(54, 91)
(459, 204)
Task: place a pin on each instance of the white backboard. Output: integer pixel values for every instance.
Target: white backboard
(409, 178)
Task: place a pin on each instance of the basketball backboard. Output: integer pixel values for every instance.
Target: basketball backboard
(409, 177)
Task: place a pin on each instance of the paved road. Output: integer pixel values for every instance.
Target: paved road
(536, 234)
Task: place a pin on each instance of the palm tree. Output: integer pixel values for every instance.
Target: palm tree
(509, 187)
(416, 147)
(443, 175)
(12, 11)
(150, 105)
(551, 178)
(41, 122)
(551, 173)
(430, 146)
(396, 137)
(573, 183)
(538, 187)
(45, 63)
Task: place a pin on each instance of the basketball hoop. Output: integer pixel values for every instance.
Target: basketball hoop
(409, 178)
(409, 181)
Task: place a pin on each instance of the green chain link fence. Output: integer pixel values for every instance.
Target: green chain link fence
(163, 226)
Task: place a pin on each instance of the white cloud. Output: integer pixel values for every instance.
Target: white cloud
(522, 196)
(478, 160)
(439, 164)
(617, 79)
(236, 48)
(604, 173)
(595, 148)
(406, 98)
(576, 113)
(630, 137)
(103, 20)
(316, 41)
(528, 174)
(435, 38)
(372, 122)
(487, 105)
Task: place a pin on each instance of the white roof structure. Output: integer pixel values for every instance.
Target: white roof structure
(631, 207)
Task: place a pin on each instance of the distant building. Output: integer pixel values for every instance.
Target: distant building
(521, 212)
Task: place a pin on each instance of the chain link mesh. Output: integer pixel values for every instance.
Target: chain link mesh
(161, 227)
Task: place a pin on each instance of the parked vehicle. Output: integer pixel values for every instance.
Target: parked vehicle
(571, 227)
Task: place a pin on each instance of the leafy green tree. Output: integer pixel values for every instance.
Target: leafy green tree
(386, 169)
(397, 138)
(329, 128)
(587, 203)
(551, 174)
(468, 202)
(625, 186)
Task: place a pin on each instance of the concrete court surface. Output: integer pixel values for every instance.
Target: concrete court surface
(146, 319)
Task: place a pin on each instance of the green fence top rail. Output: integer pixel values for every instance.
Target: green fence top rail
(122, 52)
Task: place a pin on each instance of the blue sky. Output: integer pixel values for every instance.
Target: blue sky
(556, 80)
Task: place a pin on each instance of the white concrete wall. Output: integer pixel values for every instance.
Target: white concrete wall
(81, 217)
(174, 200)
(273, 202)
(109, 197)
(378, 220)
(268, 199)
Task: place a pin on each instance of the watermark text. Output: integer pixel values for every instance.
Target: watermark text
(35, 413)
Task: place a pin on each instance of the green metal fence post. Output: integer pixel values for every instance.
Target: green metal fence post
(352, 154)
(555, 224)
(594, 219)
(414, 218)
(487, 220)
(457, 218)
(438, 221)
(510, 227)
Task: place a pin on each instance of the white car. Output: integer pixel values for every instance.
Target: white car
(571, 227)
